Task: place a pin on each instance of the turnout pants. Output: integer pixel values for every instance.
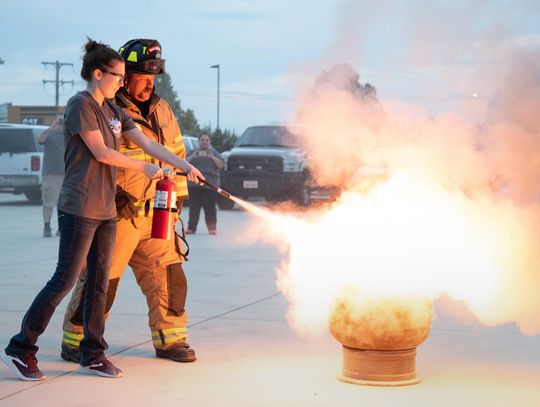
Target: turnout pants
(157, 265)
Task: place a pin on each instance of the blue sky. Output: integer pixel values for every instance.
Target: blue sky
(423, 52)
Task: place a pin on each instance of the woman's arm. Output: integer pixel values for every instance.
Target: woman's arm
(44, 136)
(94, 141)
(56, 125)
(161, 153)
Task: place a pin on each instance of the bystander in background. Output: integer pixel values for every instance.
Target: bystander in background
(53, 170)
(208, 160)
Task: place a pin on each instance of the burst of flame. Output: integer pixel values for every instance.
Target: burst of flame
(460, 218)
(408, 237)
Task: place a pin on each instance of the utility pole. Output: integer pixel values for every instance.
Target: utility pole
(57, 81)
(217, 67)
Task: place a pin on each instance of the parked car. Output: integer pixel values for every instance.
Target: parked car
(21, 159)
(269, 162)
(191, 143)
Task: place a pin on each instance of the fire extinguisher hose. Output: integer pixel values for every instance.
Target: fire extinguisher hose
(220, 191)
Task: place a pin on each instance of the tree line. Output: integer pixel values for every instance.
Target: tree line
(339, 76)
(222, 140)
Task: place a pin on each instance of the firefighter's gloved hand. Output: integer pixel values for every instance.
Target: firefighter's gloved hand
(124, 204)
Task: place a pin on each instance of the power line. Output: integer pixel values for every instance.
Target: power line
(57, 81)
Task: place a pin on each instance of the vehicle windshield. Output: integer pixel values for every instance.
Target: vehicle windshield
(268, 136)
(18, 141)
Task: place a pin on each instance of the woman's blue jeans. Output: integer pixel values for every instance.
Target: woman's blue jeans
(81, 240)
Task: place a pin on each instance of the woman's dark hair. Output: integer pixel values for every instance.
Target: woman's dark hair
(97, 55)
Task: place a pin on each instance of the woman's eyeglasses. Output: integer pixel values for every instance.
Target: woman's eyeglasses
(120, 77)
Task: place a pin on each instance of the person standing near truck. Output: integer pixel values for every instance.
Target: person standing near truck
(53, 170)
(209, 162)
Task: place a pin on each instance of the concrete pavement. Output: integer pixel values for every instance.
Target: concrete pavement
(247, 353)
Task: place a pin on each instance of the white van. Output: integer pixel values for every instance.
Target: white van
(21, 160)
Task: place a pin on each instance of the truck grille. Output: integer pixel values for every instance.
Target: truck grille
(272, 164)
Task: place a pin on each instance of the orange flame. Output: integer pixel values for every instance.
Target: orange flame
(408, 237)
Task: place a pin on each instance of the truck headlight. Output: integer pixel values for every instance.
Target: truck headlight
(291, 165)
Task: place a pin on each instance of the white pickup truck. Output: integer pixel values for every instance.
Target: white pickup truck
(21, 160)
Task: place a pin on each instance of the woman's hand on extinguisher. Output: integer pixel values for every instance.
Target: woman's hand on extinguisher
(193, 174)
(153, 171)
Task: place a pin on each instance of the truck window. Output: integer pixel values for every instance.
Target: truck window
(17, 141)
(270, 136)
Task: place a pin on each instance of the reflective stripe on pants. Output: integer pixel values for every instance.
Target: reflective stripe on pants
(165, 337)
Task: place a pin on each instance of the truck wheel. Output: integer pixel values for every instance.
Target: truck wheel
(224, 203)
(302, 197)
(34, 196)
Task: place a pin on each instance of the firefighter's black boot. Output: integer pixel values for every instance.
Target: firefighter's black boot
(179, 352)
(70, 353)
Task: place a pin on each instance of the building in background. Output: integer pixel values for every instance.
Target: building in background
(44, 115)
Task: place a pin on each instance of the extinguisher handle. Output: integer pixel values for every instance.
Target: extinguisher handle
(212, 186)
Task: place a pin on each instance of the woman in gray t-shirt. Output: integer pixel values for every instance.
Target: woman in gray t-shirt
(86, 212)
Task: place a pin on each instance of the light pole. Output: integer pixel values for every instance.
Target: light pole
(217, 67)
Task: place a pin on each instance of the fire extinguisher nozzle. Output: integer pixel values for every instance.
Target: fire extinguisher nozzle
(224, 193)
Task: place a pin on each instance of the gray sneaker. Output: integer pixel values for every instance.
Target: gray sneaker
(25, 368)
(102, 368)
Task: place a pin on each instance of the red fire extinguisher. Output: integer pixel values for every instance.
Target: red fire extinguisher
(164, 207)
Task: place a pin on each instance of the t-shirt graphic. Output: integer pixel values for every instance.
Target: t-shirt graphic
(116, 127)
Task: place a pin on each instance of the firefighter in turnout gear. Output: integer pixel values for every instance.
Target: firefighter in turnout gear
(157, 264)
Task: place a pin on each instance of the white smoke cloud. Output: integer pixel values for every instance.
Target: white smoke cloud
(491, 163)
